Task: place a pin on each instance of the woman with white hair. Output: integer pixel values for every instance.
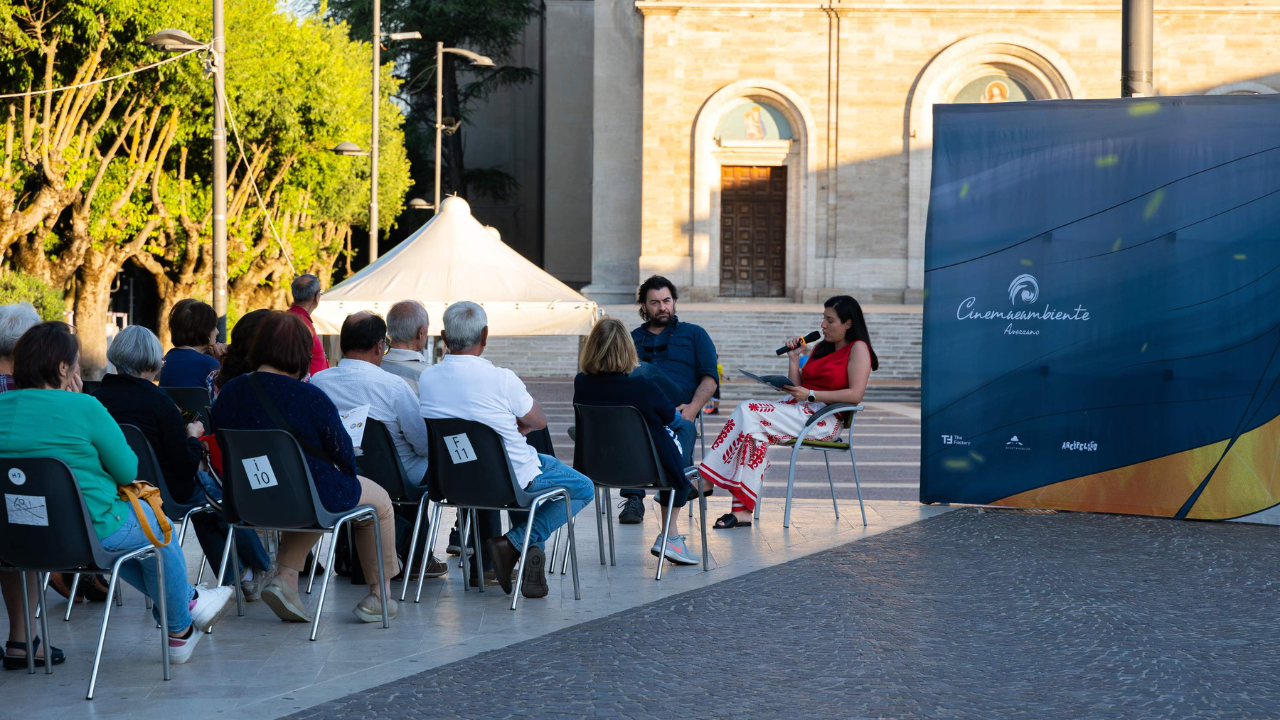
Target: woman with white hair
(14, 321)
(133, 399)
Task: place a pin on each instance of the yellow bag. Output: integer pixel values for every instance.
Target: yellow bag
(140, 490)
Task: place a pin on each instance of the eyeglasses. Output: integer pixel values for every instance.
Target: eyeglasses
(386, 345)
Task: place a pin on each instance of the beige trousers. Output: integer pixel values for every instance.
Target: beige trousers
(294, 546)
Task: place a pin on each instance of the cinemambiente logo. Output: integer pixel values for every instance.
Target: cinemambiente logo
(1025, 290)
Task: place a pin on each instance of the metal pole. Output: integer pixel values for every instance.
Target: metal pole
(219, 173)
(1136, 69)
(439, 110)
(373, 153)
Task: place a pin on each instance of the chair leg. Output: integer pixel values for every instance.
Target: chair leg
(237, 574)
(524, 548)
(600, 521)
(71, 602)
(26, 625)
(200, 574)
(826, 457)
(433, 526)
(463, 539)
(384, 587)
(413, 545)
(666, 530)
(554, 542)
(791, 481)
(702, 508)
(44, 628)
(475, 529)
(856, 482)
(227, 548)
(571, 546)
(163, 602)
(102, 634)
(119, 595)
(564, 563)
(324, 584)
(317, 551)
(608, 502)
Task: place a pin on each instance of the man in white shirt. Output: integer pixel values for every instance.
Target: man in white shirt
(407, 326)
(359, 380)
(466, 386)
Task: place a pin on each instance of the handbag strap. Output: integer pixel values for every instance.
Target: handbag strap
(151, 494)
(278, 420)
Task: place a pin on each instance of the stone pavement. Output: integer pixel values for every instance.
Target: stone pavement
(972, 614)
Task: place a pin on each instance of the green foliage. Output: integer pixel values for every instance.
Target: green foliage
(18, 288)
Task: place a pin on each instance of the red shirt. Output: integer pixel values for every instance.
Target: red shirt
(318, 361)
(830, 372)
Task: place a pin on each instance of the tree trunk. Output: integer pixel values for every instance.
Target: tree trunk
(93, 299)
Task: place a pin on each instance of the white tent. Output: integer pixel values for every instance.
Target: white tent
(454, 258)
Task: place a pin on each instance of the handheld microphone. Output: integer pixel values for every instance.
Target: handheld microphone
(812, 337)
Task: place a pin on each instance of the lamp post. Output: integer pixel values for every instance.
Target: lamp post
(179, 41)
(477, 60)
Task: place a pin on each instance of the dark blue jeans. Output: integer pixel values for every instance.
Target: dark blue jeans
(683, 429)
(211, 531)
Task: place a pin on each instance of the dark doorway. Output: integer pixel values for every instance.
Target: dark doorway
(753, 231)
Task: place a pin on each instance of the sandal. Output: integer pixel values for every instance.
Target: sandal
(20, 663)
(729, 520)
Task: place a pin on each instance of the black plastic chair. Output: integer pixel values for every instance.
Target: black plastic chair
(469, 469)
(89, 387)
(46, 528)
(616, 450)
(381, 464)
(827, 447)
(149, 470)
(268, 486)
(191, 399)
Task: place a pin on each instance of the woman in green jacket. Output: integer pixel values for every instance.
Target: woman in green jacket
(47, 416)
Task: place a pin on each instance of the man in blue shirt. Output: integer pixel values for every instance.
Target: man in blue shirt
(681, 359)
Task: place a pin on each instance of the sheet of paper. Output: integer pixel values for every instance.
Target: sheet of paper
(460, 448)
(261, 474)
(26, 510)
(353, 420)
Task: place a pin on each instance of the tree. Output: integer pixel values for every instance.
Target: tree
(19, 288)
(490, 27)
(93, 177)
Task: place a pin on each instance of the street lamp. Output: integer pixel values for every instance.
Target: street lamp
(477, 60)
(172, 40)
(419, 204)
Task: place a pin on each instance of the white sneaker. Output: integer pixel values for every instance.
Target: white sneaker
(210, 606)
(676, 552)
(180, 649)
(370, 609)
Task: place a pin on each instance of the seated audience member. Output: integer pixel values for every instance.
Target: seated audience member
(236, 360)
(132, 399)
(837, 372)
(193, 330)
(466, 386)
(607, 359)
(306, 298)
(47, 416)
(281, 356)
(358, 380)
(680, 358)
(407, 325)
(14, 321)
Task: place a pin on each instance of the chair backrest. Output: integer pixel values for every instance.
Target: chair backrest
(191, 399)
(468, 465)
(541, 441)
(149, 470)
(89, 387)
(614, 447)
(45, 525)
(266, 481)
(381, 463)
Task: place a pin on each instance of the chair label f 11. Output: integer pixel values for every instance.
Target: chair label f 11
(460, 448)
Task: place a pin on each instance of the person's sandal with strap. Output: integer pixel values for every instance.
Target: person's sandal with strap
(729, 520)
(19, 662)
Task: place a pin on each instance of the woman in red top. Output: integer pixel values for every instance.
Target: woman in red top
(837, 371)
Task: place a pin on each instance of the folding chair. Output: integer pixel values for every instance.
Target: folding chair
(616, 450)
(192, 399)
(827, 447)
(46, 528)
(268, 486)
(381, 464)
(469, 469)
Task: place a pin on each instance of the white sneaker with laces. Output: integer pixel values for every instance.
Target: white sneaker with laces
(180, 649)
(210, 606)
(677, 552)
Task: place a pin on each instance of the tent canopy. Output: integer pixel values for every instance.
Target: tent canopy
(454, 258)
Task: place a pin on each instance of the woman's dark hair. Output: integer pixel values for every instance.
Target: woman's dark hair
(40, 353)
(284, 342)
(655, 282)
(191, 322)
(847, 309)
(236, 361)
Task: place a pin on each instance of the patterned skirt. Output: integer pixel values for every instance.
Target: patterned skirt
(737, 460)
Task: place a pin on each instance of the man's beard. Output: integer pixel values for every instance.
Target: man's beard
(661, 320)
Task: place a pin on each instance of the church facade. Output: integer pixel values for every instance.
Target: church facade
(782, 149)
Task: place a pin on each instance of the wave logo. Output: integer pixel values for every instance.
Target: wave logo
(1025, 288)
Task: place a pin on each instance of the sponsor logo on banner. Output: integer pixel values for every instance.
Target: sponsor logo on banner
(954, 440)
(1080, 446)
(1016, 444)
(1024, 290)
